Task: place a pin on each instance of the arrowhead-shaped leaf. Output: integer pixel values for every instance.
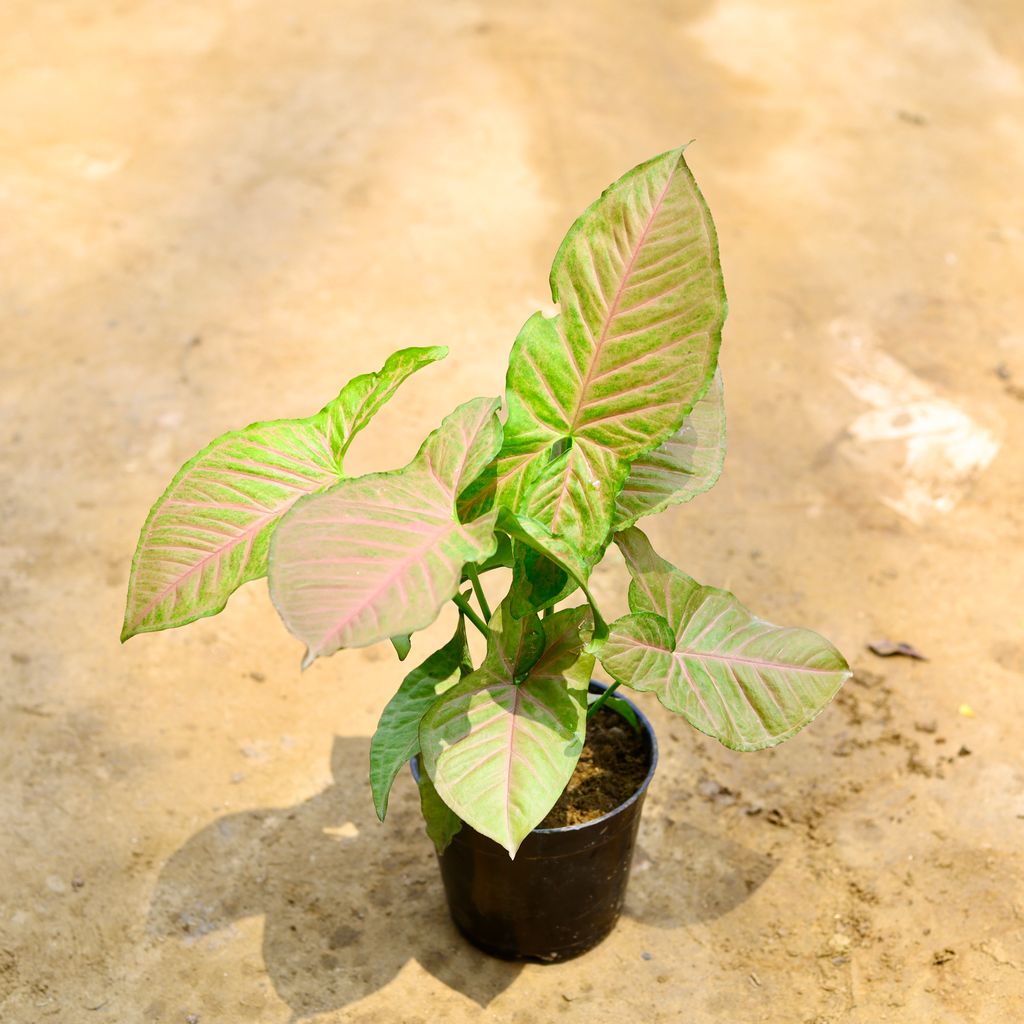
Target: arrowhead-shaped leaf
(500, 754)
(380, 555)
(634, 347)
(685, 464)
(745, 682)
(210, 531)
(397, 737)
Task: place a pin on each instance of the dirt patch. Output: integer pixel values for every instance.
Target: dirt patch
(613, 765)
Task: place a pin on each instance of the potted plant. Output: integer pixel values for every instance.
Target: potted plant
(613, 412)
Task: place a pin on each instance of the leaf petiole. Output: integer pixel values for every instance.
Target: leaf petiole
(467, 609)
(599, 703)
(479, 591)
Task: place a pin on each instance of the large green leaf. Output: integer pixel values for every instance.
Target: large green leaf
(500, 752)
(684, 465)
(210, 531)
(634, 347)
(745, 682)
(397, 737)
(442, 822)
(380, 555)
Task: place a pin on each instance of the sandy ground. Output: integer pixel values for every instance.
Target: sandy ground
(219, 210)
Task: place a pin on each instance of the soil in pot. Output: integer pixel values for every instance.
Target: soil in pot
(611, 769)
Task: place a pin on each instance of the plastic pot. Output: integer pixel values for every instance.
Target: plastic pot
(563, 892)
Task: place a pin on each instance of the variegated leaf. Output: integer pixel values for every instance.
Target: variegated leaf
(210, 531)
(745, 682)
(684, 465)
(500, 752)
(380, 555)
(397, 737)
(634, 347)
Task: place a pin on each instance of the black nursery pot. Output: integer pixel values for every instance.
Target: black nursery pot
(563, 892)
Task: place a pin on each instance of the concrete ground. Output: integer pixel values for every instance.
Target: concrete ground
(215, 211)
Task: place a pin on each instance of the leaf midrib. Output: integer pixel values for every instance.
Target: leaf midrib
(613, 308)
(737, 659)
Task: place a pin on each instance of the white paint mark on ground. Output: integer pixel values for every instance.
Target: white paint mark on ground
(346, 831)
(935, 449)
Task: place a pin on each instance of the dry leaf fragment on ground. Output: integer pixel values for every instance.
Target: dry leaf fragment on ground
(888, 648)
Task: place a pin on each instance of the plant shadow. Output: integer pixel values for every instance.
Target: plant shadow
(348, 902)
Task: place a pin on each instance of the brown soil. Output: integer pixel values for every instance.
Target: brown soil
(612, 766)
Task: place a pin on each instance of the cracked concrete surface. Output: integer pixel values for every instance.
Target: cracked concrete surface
(219, 211)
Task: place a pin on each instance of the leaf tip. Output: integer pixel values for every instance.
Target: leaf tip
(127, 628)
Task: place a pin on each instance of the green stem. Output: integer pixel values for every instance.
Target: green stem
(546, 612)
(597, 705)
(467, 609)
(479, 591)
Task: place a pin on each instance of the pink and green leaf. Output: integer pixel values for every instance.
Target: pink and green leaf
(380, 555)
(632, 350)
(745, 682)
(210, 531)
(500, 752)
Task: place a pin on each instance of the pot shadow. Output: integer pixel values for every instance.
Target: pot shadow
(347, 902)
(683, 875)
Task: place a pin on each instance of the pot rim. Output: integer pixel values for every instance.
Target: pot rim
(595, 687)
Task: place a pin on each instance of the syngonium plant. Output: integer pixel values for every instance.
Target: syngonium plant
(614, 411)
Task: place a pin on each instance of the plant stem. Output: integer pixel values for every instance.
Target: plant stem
(467, 609)
(547, 611)
(596, 706)
(479, 591)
